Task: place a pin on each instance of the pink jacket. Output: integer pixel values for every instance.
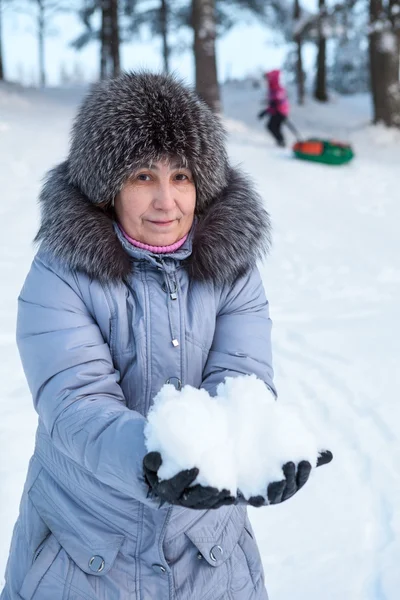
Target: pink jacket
(277, 97)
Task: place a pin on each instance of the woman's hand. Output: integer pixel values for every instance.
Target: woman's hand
(179, 490)
(295, 476)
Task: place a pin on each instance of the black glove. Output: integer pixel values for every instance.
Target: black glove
(262, 114)
(177, 490)
(295, 478)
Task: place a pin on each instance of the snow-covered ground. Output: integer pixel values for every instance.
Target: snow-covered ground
(333, 281)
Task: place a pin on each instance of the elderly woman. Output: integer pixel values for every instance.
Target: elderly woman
(145, 274)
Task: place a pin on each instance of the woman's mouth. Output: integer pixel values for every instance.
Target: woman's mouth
(162, 223)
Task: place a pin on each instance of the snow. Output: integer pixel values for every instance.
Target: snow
(190, 430)
(300, 24)
(238, 440)
(388, 43)
(332, 280)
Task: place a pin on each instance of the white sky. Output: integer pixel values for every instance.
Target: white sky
(246, 49)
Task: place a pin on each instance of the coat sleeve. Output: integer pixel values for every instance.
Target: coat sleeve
(242, 338)
(73, 382)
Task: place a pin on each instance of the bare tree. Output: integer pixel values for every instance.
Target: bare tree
(44, 13)
(204, 26)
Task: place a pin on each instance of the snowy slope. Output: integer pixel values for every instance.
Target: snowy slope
(333, 283)
(333, 279)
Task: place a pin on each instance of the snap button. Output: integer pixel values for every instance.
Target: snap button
(216, 553)
(159, 569)
(177, 383)
(96, 564)
(199, 556)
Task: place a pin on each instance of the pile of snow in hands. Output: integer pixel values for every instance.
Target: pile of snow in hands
(238, 439)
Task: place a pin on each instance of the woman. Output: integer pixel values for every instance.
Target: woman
(145, 275)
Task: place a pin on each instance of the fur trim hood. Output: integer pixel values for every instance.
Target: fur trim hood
(228, 239)
(122, 123)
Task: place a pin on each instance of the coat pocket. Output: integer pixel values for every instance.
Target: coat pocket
(216, 544)
(78, 543)
(248, 558)
(43, 559)
(229, 543)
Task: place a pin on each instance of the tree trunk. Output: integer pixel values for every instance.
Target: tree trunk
(384, 65)
(103, 45)
(109, 40)
(390, 111)
(375, 9)
(114, 41)
(1, 42)
(41, 23)
(105, 40)
(321, 93)
(203, 19)
(164, 33)
(299, 63)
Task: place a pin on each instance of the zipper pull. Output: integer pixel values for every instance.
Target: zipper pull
(174, 291)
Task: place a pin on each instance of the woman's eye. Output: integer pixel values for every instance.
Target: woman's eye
(181, 177)
(143, 177)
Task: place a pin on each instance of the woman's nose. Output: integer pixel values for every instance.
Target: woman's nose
(164, 198)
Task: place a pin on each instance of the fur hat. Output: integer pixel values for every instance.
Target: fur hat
(121, 124)
(139, 118)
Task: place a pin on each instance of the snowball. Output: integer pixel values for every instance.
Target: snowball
(266, 433)
(239, 439)
(190, 429)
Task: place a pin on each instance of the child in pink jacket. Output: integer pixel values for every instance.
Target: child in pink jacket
(277, 107)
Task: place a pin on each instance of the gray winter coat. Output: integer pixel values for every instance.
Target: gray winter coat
(95, 355)
(95, 327)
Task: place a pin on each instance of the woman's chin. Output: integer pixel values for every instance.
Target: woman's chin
(166, 237)
(161, 240)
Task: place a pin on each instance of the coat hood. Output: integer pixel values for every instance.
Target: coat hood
(229, 236)
(273, 78)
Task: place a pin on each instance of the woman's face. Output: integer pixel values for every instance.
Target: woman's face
(156, 205)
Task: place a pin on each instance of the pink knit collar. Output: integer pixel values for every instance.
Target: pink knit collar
(154, 249)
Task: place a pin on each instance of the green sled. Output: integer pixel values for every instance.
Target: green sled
(323, 151)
